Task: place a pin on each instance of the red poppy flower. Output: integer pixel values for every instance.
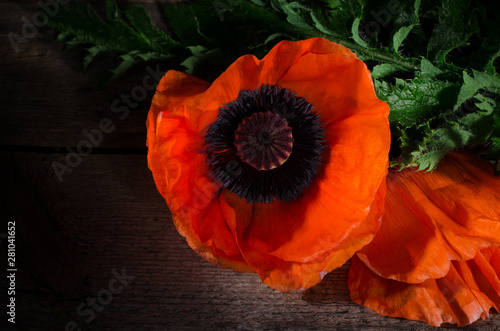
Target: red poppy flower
(436, 256)
(278, 166)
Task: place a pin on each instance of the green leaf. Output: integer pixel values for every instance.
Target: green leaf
(142, 23)
(355, 33)
(384, 70)
(428, 70)
(93, 53)
(490, 68)
(81, 25)
(442, 141)
(485, 44)
(416, 6)
(457, 22)
(416, 101)
(400, 36)
(292, 16)
(468, 129)
(200, 54)
(128, 60)
(318, 25)
(479, 123)
(403, 32)
(473, 84)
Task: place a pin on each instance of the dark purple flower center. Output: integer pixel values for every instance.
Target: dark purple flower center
(265, 145)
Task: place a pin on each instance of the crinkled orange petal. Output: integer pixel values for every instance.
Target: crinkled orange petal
(249, 73)
(337, 201)
(466, 293)
(291, 275)
(174, 88)
(173, 157)
(432, 218)
(338, 83)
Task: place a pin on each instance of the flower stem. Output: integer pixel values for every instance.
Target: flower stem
(374, 54)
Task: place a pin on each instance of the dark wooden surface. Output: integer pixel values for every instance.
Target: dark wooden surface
(106, 217)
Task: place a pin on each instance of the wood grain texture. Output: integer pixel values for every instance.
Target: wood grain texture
(47, 101)
(105, 218)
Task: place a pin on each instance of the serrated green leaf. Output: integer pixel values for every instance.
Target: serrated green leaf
(403, 31)
(127, 61)
(490, 68)
(473, 84)
(429, 161)
(480, 123)
(273, 36)
(200, 55)
(142, 23)
(442, 141)
(456, 24)
(191, 62)
(486, 44)
(472, 128)
(332, 4)
(400, 36)
(93, 52)
(292, 16)
(355, 33)
(413, 102)
(318, 25)
(384, 70)
(130, 43)
(428, 70)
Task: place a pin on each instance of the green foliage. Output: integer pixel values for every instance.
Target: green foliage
(457, 22)
(415, 102)
(473, 84)
(434, 62)
(130, 43)
(384, 70)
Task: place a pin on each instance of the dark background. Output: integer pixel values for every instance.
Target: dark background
(77, 231)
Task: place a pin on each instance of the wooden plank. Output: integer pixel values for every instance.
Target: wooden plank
(48, 102)
(106, 217)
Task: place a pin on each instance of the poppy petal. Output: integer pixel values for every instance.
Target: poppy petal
(436, 217)
(173, 89)
(174, 159)
(249, 73)
(291, 275)
(335, 203)
(337, 83)
(466, 293)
